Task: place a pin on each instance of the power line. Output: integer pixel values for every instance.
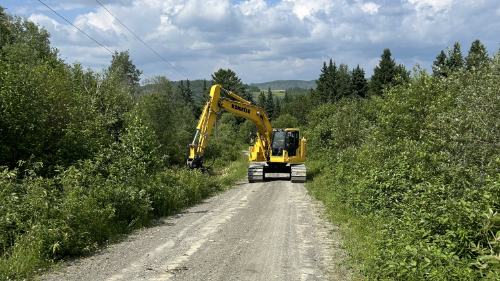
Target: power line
(75, 27)
(81, 30)
(141, 40)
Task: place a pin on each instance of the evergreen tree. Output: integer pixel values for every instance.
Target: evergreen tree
(248, 96)
(322, 86)
(331, 82)
(344, 83)
(205, 91)
(477, 55)
(229, 81)
(455, 59)
(385, 74)
(439, 67)
(262, 100)
(359, 82)
(182, 90)
(277, 107)
(286, 98)
(188, 93)
(269, 107)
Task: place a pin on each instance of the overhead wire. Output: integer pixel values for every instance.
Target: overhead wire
(81, 31)
(76, 27)
(141, 40)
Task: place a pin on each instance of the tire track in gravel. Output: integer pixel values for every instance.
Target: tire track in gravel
(260, 231)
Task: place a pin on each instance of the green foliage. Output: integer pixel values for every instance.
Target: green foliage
(269, 105)
(285, 121)
(299, 107)
(247, 131)
(84, 158)
(413, 177)
(439, 66)
(477, 55)
(336, 83)
(171, 118)
(188, 93)
(359, 83)
(224, 142)
(229, 81)
(262, 101)
(125, 69)
(325, 89)
(455, 59)
(295, 90)
(386, 74)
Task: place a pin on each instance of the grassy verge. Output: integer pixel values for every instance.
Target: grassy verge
(45, 220)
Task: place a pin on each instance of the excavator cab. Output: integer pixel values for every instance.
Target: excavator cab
(285, 139)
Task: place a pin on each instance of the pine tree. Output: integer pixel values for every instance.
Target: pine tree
(322, 86)
(182, 90)
(229, 81)
(331, 82)
(455, 59)
(262, 100)
(359, 82)
(248, 96)
(439, 67)
(477, 55)
(286, 98)
(205, 91)
(188, 93)
(277, 107)
(385, 74)
(269, 107)
(344, 83)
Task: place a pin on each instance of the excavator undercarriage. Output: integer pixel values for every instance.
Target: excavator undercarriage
(257, 171)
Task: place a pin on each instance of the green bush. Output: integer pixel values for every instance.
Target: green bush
(421, 164)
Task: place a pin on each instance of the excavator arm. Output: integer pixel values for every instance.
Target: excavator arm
(241, 108)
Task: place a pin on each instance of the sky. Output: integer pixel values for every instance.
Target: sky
(262, 40)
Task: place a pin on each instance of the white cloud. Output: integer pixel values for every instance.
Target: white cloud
(435, 4)
(261, 42)
(370, 8)
(252, 7)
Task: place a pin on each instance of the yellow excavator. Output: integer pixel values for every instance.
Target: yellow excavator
(273, 151)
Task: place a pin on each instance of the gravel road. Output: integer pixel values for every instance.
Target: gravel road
(270, 230)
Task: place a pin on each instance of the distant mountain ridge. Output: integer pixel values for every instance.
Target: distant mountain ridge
(285, 84)
(292, 85)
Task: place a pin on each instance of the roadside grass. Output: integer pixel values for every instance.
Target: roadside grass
(78, 211)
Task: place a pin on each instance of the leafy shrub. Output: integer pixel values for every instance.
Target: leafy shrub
(285, 121)
(422, 164)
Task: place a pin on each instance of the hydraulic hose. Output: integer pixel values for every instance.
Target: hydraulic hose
(213, 154)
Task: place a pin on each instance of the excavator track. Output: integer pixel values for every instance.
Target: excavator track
(298, 172)
(256, 172)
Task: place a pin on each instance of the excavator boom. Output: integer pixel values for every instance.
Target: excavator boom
(262, 151)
